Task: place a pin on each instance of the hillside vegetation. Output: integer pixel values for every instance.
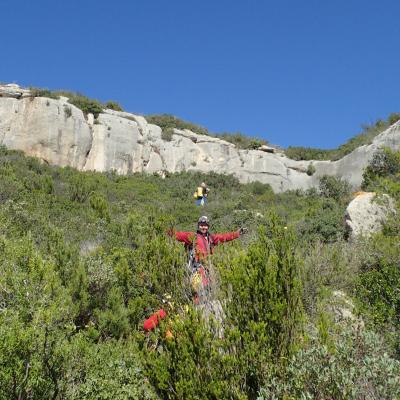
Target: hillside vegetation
(85, 259)
(168, 122)
(369, 132)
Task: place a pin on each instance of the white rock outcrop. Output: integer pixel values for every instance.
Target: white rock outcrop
(366, 213)
(60, 134)
(13, 90)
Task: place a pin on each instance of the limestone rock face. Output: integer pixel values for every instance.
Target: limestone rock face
(60, 134)
(44, 128)
(366, 213)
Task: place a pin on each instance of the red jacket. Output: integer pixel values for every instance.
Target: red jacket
(204, 243)
(153, 321)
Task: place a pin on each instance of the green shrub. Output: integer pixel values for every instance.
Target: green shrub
(80, 188)
(86, 105)
(167, 134)
(168, 121)
(263, 310)
(100, 206)
(37, 92)
(379, 279)
(67, 111)
(369, 132)
(379, 288)
(393, 118)
(161, 261)
(191, 364)
(328, 266)
(35, 320)
(113, 105)
(255, 144)
(311, 169)
(105, 370)
(259, 188)
(242, 141)
(335, 188)
(323, 222)
(384, 163)
(358, 368)
(113, 321)
(392, 226)
(47, 184)
(307, 153)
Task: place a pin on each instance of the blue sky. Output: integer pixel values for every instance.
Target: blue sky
(292, 72)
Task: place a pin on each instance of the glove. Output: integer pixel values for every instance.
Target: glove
(242, 231)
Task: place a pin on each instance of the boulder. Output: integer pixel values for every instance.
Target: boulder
(366, 213)
(267, 149)
(14, 91)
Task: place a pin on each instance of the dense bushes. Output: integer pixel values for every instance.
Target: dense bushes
(307, 153)
(44, 353)
(379, 280)
(324, 217)
(38, 92)
(86, 104)
(377, 286)
(365, 137)
(264, 305)
(357, 368)
(35, 320)
(167, 134)
(104, 370)
(385, 163)
(168, 121)
(334, 188)
(263, 322)
(84, 259)
(242, 141)
(190, 365)
(113, 105)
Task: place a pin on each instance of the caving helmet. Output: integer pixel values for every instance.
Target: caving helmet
(203, 220)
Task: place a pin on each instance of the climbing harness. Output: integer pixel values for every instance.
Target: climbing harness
(200, 280)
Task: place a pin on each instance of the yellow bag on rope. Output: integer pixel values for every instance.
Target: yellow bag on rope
(196, 281)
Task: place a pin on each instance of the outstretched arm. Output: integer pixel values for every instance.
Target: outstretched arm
(225, 237)
(185, 237)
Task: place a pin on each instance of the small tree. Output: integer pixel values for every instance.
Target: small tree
(311, 169)
(335, 188)
(264, 309)
(190, 364)
(113, 105)
(167, 134)
(384, 162)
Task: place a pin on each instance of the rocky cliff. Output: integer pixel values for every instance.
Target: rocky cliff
(60, 134)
